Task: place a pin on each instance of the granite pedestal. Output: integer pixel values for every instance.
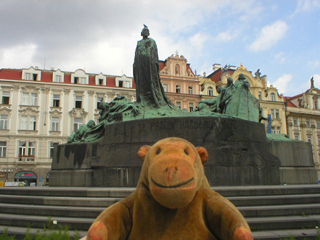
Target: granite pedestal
(239, 152)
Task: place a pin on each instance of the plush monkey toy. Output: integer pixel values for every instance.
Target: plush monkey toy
(173, 201)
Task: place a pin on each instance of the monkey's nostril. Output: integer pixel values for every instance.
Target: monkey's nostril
(167, 169)
(176, 168)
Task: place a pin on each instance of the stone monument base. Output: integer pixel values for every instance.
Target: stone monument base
(239, 153)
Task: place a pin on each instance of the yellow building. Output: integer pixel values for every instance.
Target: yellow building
(270, 101)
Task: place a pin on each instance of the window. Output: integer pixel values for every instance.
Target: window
(165, 87)
(273, 96)
(190, 90)
(319, 140)
(28, 76)
(27, 151)
(310, 139)
(5, 97)
(273, 130)
(77, 123)
(3, 121)
(260, 95)
(76, 80)
(29, 99)
(58, 78)
(297, 136)
(318, 124)
(190, 107)
(178, 90)
(83, 80)
(28, 123)
(100, 81)
(78, 102)
(308, 123)
(178, 105)
(34, 76)
(99, 100)
(278, 131)
(210, 91)
(52, 145)
(56, 100)
(277, 114)
(273, 114)
(3, 149)
(296, 122)
(55, 124)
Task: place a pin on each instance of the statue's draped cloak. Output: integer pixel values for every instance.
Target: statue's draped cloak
(149, 90)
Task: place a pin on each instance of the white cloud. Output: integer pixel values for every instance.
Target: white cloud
(20, 56)
(282, 83)
(269, 36)
(316, 78)
(225, 36)
(280, 57)
(307, 5)
(314, 64)
(198, 40)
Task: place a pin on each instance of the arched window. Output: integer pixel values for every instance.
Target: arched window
(210, 91)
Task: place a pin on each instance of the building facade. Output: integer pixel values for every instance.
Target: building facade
(303, 119)
(270, 101)
(42, 108)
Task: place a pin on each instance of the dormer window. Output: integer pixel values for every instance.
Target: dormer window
(34, 77)
(273, 97)
(210, 91)
(28, 76)
(76, 80)
(100, 81)
(124, 81)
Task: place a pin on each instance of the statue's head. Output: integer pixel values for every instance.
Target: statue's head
(241, 76)
(91, 124)
(230, 80)
(145, 32)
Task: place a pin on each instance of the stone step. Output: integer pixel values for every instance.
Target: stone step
(283, 222)
(59, 201)
(105, 202)
(52, 211)
(286, 233)
(76, 211)
(280, 210)
(274, 200)
(35, 221)
(20, 232)
(228, 191)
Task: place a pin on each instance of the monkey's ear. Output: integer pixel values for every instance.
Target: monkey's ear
(203, 154)
(143, 152)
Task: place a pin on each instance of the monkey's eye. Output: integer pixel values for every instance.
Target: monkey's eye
(158, 151)
(186, 152)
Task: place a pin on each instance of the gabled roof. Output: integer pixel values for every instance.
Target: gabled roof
(216, 75)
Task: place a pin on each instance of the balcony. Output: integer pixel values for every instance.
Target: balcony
(26, 160)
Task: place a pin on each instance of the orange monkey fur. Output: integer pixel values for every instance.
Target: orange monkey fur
(173, 200)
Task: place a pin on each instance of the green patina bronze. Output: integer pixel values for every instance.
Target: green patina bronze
(234, 100)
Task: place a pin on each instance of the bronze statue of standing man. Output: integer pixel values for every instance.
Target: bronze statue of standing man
(149, 91)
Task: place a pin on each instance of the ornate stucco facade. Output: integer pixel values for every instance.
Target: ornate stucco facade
(270, 101)
(303, 119)
(41, 108)
(179, 82)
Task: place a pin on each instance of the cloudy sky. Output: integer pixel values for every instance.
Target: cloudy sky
(281, 38)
